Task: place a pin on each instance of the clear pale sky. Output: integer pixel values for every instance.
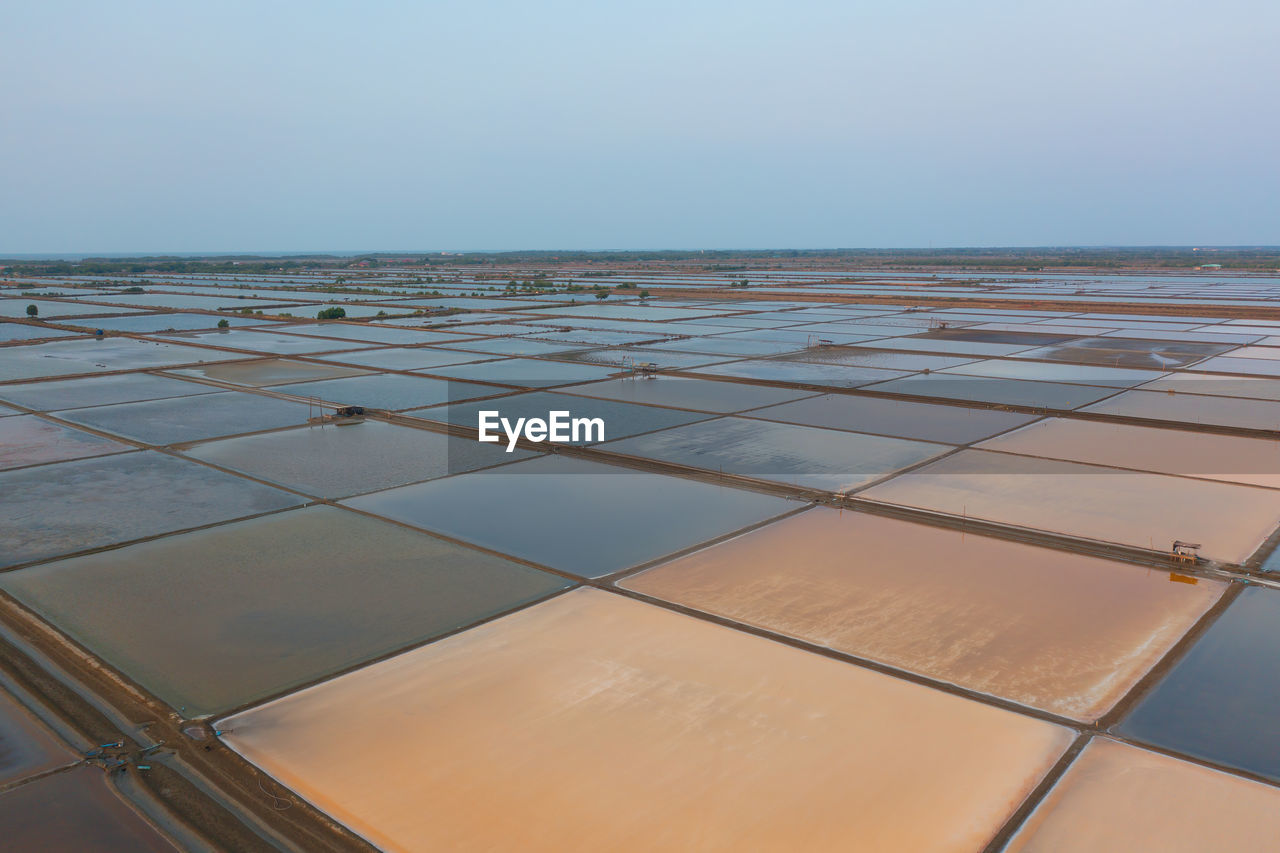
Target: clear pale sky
(295, 126)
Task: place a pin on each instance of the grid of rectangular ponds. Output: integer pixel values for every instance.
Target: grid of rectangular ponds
(842, 572)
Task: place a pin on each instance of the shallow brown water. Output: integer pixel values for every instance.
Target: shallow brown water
(1090, 501)
(1118, 798)
(1063, 632)
(591, 722)
(75, 811)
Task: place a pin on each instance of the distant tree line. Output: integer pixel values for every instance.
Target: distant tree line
(720, 260)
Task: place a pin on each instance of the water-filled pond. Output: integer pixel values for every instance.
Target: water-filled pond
(577, 516)
(217, 618)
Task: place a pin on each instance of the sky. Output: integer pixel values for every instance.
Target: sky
(273, 126)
